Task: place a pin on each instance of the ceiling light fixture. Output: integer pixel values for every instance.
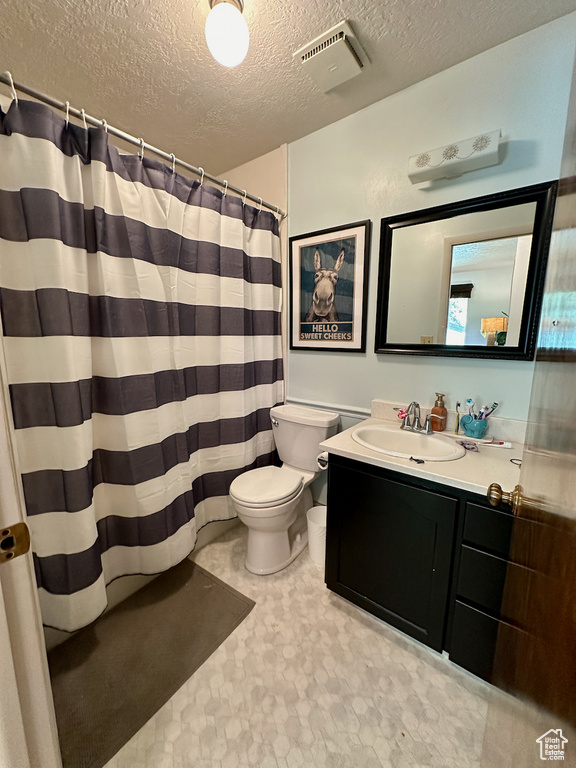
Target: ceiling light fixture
(226, 32)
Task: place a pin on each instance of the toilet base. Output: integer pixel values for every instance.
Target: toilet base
(272, 551)
(297, 548)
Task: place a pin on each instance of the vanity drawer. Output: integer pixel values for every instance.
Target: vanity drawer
(473, 640)
(488, 528)
(488, 647)
(481, 579)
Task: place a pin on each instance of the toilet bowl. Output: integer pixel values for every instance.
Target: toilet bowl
(272, 501)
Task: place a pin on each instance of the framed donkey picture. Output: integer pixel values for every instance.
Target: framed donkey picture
(329, 280)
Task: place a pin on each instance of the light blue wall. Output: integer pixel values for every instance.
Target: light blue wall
(356, 169)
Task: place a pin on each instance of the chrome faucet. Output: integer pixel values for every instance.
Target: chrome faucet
(415, 425)
(414, 409)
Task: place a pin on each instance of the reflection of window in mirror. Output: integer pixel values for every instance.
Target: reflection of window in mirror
(487, 280)
(456, 327)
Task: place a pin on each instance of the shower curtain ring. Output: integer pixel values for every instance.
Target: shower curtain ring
(202, 177)
(141, 150)
(260, 201)
(244, 197)
(14, 94)
(173, 156)
(104, 125)
(83, 114)
(67, 113)
(225, 188)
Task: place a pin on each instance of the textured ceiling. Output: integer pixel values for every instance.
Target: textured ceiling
(143, 64)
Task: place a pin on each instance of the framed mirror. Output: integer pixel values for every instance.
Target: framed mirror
(465, 279)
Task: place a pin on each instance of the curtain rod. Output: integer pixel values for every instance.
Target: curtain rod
(6, 78)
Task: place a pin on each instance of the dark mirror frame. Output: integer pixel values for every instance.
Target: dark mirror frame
(544, 195)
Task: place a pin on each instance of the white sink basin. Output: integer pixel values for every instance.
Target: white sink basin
(405, 445)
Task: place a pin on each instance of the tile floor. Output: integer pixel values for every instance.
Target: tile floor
(309, 680)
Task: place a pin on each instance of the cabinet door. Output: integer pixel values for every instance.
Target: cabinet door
(389, 548)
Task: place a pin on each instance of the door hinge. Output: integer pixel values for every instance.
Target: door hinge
(14, 541)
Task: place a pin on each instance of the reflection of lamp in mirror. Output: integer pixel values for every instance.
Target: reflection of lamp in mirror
(491, 327)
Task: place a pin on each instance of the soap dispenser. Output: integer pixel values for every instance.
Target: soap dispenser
(438, 414)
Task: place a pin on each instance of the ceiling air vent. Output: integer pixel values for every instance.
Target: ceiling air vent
(333, 58)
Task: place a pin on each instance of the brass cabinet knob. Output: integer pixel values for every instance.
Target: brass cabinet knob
(529, 507)
(497, 496)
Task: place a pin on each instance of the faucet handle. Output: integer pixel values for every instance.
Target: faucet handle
(428, 426)
(405, 416)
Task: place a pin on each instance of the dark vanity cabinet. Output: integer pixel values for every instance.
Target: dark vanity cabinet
(428, 559)
(389, 547)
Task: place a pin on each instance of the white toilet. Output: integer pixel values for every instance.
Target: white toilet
(273, 501)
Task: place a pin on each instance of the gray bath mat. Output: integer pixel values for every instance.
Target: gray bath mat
(111, 677)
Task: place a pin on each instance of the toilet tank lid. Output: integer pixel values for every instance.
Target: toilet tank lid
(303, 415)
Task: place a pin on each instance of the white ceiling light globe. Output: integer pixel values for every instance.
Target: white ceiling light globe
(227, 34)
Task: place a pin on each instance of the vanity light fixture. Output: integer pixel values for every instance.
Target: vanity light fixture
(226, 32)
(457, 158)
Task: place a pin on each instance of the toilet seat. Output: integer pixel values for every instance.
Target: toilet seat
(266, 487)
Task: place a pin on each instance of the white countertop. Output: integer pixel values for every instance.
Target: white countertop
(473, 472)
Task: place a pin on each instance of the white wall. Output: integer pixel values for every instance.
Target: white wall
(265, 177)
(357, 169)
(490, 297)
(519, 277)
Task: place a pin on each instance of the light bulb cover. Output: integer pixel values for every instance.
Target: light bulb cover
(227, 34)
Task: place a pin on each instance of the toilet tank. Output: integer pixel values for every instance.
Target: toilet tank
(298, 431)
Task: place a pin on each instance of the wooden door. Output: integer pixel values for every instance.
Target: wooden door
(28, 736)
(537, 661)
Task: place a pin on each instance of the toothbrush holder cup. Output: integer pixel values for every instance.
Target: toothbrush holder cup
(476, 428)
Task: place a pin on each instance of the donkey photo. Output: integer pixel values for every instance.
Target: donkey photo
(328, 288)
(322, 309)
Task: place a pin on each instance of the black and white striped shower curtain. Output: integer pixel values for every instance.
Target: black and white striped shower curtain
(141, 344)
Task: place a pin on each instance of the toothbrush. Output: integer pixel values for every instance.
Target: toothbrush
(457, 422)
(489, 410)
(470, 404)
(481, 411)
